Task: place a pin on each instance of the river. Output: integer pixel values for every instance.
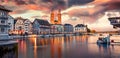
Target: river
(67, 47)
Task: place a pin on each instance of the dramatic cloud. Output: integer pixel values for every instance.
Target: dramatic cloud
(78, 2)
(72, 10)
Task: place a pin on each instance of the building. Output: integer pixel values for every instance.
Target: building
(68, 28)
(53, 19)
(11, 23)
(115, 21)
(27, 26)
(80, 28)
(19, 25)
(56, 28)
(22, 26)
(4, 26)
(41, 26)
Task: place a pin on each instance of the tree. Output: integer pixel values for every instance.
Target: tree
(88, 30)
(93, 31)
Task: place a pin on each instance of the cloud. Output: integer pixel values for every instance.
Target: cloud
(78, 2)
(90, 9)
(42, 5)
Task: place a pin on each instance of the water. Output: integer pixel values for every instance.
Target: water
(67, 47)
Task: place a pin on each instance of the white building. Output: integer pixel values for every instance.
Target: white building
(22, 26)
(80, 28)
(27, 26)
(4, 26)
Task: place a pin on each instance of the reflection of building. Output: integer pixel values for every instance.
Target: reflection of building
(4, 26)
(57, 28)
(53, 19)
(80, 28)
(115, 21)
(68, 28)
(41, 26)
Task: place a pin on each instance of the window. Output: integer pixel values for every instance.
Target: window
(2, 21)
(3, 13)
(2, 29)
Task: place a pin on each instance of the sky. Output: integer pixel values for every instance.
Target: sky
(90, 12)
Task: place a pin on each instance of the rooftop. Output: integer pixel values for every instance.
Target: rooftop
(80, 25)
(67, 25)
(43, 22)
(3, 8)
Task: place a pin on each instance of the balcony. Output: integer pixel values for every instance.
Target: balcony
(115, 21)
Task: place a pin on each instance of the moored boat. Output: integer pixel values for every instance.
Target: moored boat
(103, 40)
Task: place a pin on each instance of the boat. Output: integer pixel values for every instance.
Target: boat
(103, 40)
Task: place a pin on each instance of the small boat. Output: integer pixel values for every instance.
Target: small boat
(103, 40)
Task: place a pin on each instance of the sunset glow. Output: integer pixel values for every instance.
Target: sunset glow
(41, 9)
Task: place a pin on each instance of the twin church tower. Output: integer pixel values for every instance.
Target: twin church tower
(55, 18)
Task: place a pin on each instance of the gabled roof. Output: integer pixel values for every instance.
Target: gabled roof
(19, 18)
(42, 22)
(68, 25)
(3, 8)
(80, 25)
(114, 18)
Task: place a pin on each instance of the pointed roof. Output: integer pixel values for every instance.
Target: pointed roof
(68, 25)
(80, 25)
(19, 18)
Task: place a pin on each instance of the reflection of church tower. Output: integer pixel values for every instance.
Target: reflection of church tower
(55, 21)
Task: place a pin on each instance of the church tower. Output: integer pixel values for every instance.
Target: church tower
(59, 16)
(55, 20)
(52, 17)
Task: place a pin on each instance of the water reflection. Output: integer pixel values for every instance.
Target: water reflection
(66, 47)
(9, 51)
(22, 48)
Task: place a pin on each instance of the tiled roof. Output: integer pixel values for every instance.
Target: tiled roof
(43, 22)
(19, 18)
(3, 8)
(114, 18)
(80, 25)
(68, 25)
